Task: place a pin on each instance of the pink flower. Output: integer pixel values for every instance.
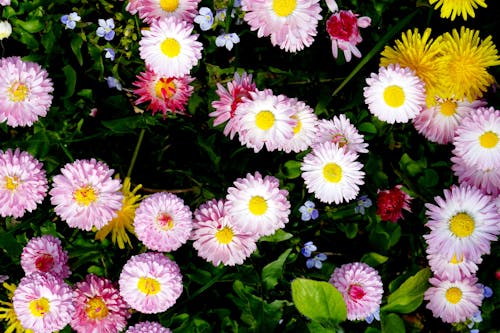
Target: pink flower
(343, 29)
(23, 184)
(360, 286)
(390, 204)
(44, 254)
(99, 306)
(5, 2)
(85, 195)
(148, 327)
(183, 10)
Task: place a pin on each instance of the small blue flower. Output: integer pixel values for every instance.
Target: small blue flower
(227, 40)
(361, 203)
(106, 29)
(113, 83)
(487, 292)
(220, 14)
(375, 315)
(317, 261)
(474, 331)
(308, 248)
(237, 3)
(70, 20)
(205, 18)
(110, 53)
(308, 212)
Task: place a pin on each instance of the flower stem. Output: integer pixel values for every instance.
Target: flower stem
(136, 152)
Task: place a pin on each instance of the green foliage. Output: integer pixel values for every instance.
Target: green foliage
(410, 294)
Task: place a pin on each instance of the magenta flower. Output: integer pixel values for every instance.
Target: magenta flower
(45, 254)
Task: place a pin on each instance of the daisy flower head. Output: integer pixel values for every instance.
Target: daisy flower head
(477, 139)
(164, 94)
(439, 122)
(341, 132)
(163, 222)
(43, 303)
(332, 173)
(85, 195)
(257, 205)
(395, 94)
(360, 286)
(463, 223)
(217, 239)
(45, 254)
(453, 8)
(229, 99)
(23, 183)
(453, 301)
(168, 47)
(265, 119)
(291, 24)
(25, 92)
(390, 204)
(304, 132)
(182, 10)
(487, 180)
(343, 28)
(455, 269)
(463, 64)
(150, 282)
(148, 327)
(418, 52)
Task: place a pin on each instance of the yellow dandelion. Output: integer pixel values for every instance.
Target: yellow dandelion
(456, 8)
(8, 314)
(125, 219)
(463, 64)
(419, 53)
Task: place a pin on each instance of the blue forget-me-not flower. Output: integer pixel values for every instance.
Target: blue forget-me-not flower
(227, 40)
(205, 18)
(317, 261)
(70, 20)
(106, 29)
(308, 211)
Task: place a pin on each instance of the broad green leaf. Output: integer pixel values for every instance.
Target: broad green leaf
(76, 47)
(410, 294)
(38, 144)
(70, 74)
(373, 259)
(392, 323)
(320, 301)
(292, 169)
(273, 271)
(279, 236)
(367, 128)
(9, 243)
(31, 26)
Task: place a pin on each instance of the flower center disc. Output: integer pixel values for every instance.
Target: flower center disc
(39, 307)
(356, 292)
(165, 221)
(18, 92)
(85, 195)
(455, 261)
(170, 47)
(257, 205)
(169, 5)
(462, 225)
(394, 96)
(488, 139)
(284, 7)
(165, 88)
(332, 172)
(11, 183)
(44, 263)
(448, 108)
(96, 308)
(298, 127)
(264, 120)
(225, 235)
(453, 295)
(148, 286)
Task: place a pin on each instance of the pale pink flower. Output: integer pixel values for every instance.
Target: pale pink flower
(485, 179)
(183, 10)
(148, 327)
(341, 132)
(45, 254)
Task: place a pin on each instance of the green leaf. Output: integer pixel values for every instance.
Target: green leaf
(9, 243)
(70, 74)
(409, 295)
(392, 323)
(31, 26)
(124, 125)
(373, 259)
(292, 169)
(320, 301)
(367, 128)
(279, 236)
(273, 271)
(76, 47)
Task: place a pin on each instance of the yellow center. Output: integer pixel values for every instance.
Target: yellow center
(169, 5)
(284, 7)
(297, 127)
(488, 139)
(257, 205)
(39, 307)
(96, 308)
(11, 183)
(264, 120)
(453, 295)
(148, 286)
(170, 47)
(332, 172)
(448, 108)
(394, 96)
(462, 225)
(165, 88)
(18, 92)
(225, 235)
(165, 221)
(85, 195)
(455, 261)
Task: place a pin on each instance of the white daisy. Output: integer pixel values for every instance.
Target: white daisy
(304, 131)
(332, 173)
(454, 269)
(340, 131)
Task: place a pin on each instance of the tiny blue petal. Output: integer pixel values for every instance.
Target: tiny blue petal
(487, 292)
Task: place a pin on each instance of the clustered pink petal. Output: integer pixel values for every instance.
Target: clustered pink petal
(45, 254)
(390, 203)
(98, 306)
(340, 131)
(151, 10)
(23, 183)
(85, 195)
(148, 327)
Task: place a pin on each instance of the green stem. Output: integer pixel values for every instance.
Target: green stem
(136, 152)
(381, 43)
